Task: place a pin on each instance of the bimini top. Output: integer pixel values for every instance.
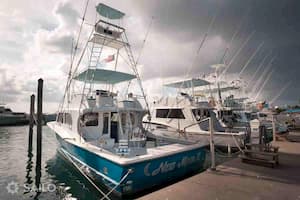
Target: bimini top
(215, 90)
(104, 76)
(195, 82)
(109, 12)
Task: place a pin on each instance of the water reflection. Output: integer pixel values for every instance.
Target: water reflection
(69, 182)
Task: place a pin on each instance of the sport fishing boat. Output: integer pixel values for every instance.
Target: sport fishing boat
(185, 119)
(10, 118)
(100, 131)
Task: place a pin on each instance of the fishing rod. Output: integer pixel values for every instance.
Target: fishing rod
(236, 54)
(201, 45)
(259, 81)
(237, 30)
(250, 59)
(258, 68)
(281, 92)
(223, 61)
(264, 84)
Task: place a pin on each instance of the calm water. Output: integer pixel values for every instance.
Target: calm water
(57, 178)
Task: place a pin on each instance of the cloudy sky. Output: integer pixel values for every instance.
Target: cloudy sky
(35, 41)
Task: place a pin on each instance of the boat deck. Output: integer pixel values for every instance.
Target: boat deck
(152, 153)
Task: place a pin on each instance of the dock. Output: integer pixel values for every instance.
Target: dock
(237, 180)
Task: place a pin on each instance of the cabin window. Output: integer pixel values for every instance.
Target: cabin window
(90, 119)
(248, 116)
(60, 117)
(132, 118)
(262, 115)
(105, 123)
(201, 114)
(170, 113)
(114, 117)
(68, 118)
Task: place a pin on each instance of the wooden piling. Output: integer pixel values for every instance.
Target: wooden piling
(31, 122)
(212, 145)
(39, 121)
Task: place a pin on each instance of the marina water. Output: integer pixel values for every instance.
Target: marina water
(58, 179)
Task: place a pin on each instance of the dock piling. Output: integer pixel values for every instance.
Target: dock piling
(212, 145)
(31, 122)
(274, 128)
(39, 121)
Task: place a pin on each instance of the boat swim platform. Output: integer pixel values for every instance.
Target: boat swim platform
(237, 180)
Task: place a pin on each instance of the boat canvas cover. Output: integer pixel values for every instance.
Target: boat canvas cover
(109, 12)
(188, 83)
(103, 76)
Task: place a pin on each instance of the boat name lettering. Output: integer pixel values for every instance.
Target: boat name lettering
(166, 166)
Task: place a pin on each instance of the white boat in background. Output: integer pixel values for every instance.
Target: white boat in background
(101, 132)
(184, 118)
(10, 118)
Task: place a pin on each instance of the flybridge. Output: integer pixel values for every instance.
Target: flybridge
(104, 76)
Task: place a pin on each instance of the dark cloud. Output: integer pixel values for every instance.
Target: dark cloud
(275, 22)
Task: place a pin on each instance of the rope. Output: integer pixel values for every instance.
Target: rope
(105, 196)
(124, 177)
(236, 143)
(90, 181)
